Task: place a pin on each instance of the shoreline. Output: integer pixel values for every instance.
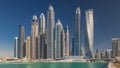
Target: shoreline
(53, 62)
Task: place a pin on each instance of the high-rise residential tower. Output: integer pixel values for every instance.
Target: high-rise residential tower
(41, 45)
(24, 49)
(58, 44)
(63, 43)
(50, 32)
(28, 48)
(42, 23)
(73, 46)
(115, 47)
(77, 44)
(67, 42)
(16, 47)
(89, 34)
(21, 41)
(34, 37)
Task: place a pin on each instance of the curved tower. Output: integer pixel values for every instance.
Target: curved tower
(89, 34)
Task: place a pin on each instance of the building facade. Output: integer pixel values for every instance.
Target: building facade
(89, 34)
(103, 54)
(77, 44)
(28, 48)
(73, 46)
(97, 55)
(63, 43)
(34, 37)
(42, 37)
(16, 47)
(21, 41)
(50, 32)
(67, 42)
(115, 47)
(58, 40)
(109, 53)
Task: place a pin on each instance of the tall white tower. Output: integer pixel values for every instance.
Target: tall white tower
(58, 39)
(50, 32)
(89, 34)
(41, 37)
(42, 23)
(16, 47)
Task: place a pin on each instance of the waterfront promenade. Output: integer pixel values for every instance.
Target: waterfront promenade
(114, 65)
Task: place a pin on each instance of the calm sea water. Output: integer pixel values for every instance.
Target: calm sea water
(54, 65)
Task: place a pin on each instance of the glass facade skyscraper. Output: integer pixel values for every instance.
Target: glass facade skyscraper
(16, 47)
(63, 43)
(21, 41)
(77, 44)
(41, 45)
(89, 34)
(58, 40)
(42, 23)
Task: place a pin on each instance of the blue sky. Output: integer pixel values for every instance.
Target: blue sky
(15, 12)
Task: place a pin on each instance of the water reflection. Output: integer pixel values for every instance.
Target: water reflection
(28, 66)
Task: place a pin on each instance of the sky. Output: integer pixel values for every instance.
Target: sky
(15, 12)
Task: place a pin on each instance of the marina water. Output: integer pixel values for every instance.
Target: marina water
(55, 65)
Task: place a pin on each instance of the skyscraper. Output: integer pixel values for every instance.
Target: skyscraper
(89, 34)
(67, 41)
(21, 41)
(16, 47)
(28, 48)
(115, 47)
(77, 44)
(58, 44)
(39, 45)
(42, 23)
(42, 36)
(63, 43)
(72, 46)
(24, 49)
(50, 32)
(34, 37)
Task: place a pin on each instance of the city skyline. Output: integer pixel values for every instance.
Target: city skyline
(38, 13)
